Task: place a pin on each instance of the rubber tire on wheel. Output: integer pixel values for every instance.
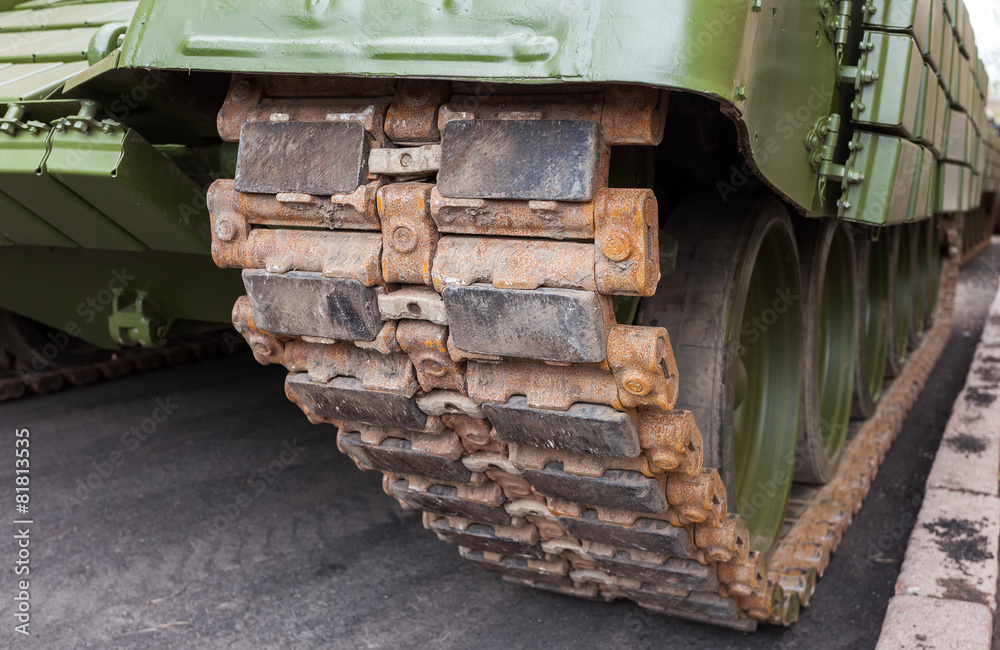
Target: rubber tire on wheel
(874, 296)
(830, 302)
(35, 344)
(703, 305)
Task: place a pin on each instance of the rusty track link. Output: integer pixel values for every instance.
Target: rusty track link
(554, 457)
(17, 380)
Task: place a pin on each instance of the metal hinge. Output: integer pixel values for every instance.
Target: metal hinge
(837, 22)
(86, 120)
(821, 143)
(12, 122)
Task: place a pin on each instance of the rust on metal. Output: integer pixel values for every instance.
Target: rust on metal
(644, 366)
(445, 444)
(408, 162)
(743, 578)
(728, 541)
(513, 263)
(245, 92)
(533, 458)
(585, 107)
(449, 402)
(798, 581)
(474, 432)
(634, 115)
(697, 499)
(350, 255)
(689, 557)
(626, 242)
(545, 386)
(672, 440)
(551, 219)
(369, 113)
(385, 342)
(412, 116)
(354, 211)
(762, 604)
(410, 237)
(426, 345)
(391, 373)
(513, 486)
(414, 302)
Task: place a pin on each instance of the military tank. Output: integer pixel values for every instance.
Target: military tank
(630, 299)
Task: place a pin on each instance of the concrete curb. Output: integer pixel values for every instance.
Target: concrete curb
(947, 587)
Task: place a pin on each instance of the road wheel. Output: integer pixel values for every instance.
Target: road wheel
(917, 233)
(830, 305)
(901, 263)
(733, 309)
(933, 253)
(873, 251)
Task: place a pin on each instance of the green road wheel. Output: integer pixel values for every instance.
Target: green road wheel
(920, 246)
(873, 251)
(830, 300)
(733, 309)
(902, 299)
(933, 266)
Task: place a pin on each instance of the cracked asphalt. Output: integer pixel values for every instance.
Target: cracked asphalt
(195, 507)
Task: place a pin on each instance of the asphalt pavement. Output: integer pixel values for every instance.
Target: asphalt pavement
(195, 507)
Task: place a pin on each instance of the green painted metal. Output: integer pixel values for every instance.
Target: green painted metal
(942, 112)
(767, 388)
(933, 266)
(136, 319)
(926, 117)
(79, 283)
(773, 66)
(888, 164)
(44, 44)
(902, 297)
(877, 311)
(921, 290)
(24, 178)
(720, 48)
(682, 43)
(56, 17)
(137, 187)
(20, 226)
(96, 183)
(35, 80)
(919, 206)
(952, 194)
(959, 138)
(907, 16)
(935, 36)
(836, 345)
(891, 100)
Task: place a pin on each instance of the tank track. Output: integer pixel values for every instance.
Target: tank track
(18, 380)
(370, 299)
